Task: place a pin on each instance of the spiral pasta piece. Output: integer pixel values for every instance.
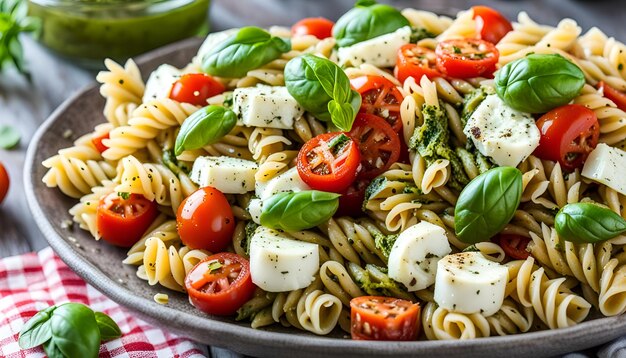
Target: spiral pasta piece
(122, 87)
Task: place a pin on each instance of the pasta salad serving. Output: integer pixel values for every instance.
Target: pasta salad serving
(398, 175)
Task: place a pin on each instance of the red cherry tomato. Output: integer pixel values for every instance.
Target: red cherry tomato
(220, 284)
(490, 24)
(195, 88)
(4, 182)
(384, 319)
(465, 58)
(378, 143)
(415, 61)
(380, 97)
(97, 142)
(121, 222)
(568, 134)
(316, 26)
(329, 162)
(619, 98)
(351, 200)
(205, 220)
(514, 246)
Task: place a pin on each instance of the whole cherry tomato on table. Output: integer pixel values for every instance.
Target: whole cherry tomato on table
(416, 61)
(329, 162)
(4, 182)
(466, 58)
(384, 319)
(195, 88)
(568, 134)
(381, 97)
(121, 220)
(316, 26)
(490, 24)
(378, 143)
(205, 220)
(220, 284)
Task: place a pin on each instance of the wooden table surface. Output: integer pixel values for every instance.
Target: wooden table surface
(25, 105)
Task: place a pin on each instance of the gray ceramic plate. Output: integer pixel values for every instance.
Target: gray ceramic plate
(101, 265)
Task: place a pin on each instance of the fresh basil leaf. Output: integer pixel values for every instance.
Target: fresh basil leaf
(298, 211)
(9, 136)
(52, 350)
(37, 330)
(107, 326)
(588, 223)
(75, 331)
(365, 21)
(538, 83)
(13, 22)
(206, 126)
(487, 204)
(250, 48)
(315, 82)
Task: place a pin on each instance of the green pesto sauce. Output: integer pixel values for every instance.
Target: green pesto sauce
(95, 35)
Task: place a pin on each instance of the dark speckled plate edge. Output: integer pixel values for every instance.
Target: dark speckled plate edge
(275, 344)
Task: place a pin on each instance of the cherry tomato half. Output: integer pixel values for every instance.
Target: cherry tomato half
(378, 143)
(97, 142)
(465, 58)
(416, 61)
(490, 24)
(514, 246)
(316, 26)
(205, 220)
(619, 98)
(4, 183)
(329, 162)
(121, 222)
(220, 284)
(351, 200)
(195, 88)
(384, 319)
(380, 97)
(568, 134)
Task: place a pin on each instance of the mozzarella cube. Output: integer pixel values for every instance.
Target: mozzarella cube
(468, 282)
(380, 51)
(502, 133)
(284, 182)
(281, 264)
(266, 106)
(160, 82)
(414, 256)
(228, 175)
(607, 165)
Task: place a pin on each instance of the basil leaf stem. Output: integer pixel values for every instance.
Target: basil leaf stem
(249, 48)
(206, 126)
(291, 211)
(588, 223)
(323, 89)
(487, 204)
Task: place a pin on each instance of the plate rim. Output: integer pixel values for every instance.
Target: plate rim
(284, 342)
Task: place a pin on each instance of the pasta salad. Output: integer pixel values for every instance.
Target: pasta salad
(396, 174)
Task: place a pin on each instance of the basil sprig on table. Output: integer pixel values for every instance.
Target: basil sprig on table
(588, 223)
(251, 47)
(323, 89)
(205, 126)
(69, 330)
(538, 83)
(487, 204)
(367, 20)
(291, 211)
(9, 136)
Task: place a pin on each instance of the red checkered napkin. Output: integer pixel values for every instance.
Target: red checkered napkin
(34, 281)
